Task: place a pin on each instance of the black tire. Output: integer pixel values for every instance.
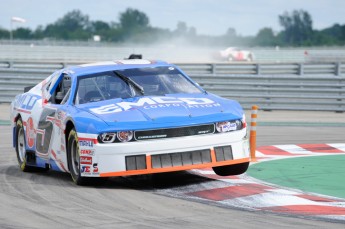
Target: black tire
(21, 150)
(231, 170)
(73, 157)
(20, 147)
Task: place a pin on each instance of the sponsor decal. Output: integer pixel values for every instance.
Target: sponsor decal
(28, 101)
(61, 115)
(232, 126)
(152, 136)
(85, 169)
(204, 131)
(181, 105)
(227, 126)
(156, 102)
(30, 132)
(95, 168)
(84, 143)
(58, 123)
(87, 152)
(84, 160)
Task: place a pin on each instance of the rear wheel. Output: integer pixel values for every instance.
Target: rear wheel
(231, 170)
(23, 156)
(20, 147)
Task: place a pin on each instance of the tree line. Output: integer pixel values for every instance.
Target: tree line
(134, 26)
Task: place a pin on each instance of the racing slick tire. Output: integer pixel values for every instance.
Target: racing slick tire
(231, 170)
(73, 158)
(22, 154)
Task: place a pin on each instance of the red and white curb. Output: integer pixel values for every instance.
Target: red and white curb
(248, 193)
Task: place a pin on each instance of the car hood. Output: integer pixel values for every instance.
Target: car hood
(149, 112)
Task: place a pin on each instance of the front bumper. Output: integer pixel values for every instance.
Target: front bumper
(173, 154)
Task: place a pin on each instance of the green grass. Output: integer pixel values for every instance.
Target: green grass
(320, 174)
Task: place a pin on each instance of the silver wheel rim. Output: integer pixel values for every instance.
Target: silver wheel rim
(75, 157)
(21, 145)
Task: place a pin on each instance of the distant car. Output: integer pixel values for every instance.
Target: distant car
(127, 117)
(236, 54)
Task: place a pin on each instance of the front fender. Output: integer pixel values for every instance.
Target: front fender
(85, 122)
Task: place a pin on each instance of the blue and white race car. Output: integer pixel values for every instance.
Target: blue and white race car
(127, 117)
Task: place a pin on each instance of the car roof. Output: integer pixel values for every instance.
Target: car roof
(91, 68)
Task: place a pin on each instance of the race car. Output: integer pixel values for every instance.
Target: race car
(126, 117)
(235, 54)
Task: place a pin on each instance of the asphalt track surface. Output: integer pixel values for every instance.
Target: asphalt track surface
(51, 200)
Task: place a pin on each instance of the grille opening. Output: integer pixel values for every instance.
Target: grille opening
(197, 157)
(180, 159)
(174, 132)
(136, 162)
(223, 153)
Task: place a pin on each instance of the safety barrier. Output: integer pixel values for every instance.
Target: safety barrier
(288, 86)
(178, 52)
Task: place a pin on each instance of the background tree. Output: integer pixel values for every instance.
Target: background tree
(231, 33)
(298, 28)
(133, 21)
(181, 29)
(100, 28)
(333, 35)
(265, 37)
(230, 37)
(4, 34)
(23, 33)
(73, 25)
(134, 26)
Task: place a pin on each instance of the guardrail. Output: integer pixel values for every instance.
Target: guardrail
(173, 52)
(274, 69)
(289, 86)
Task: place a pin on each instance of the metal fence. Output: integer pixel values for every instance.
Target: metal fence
(289, 86)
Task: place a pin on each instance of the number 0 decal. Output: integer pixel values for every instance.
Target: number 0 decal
(44, 131)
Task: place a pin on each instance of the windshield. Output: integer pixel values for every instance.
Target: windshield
(158, 81)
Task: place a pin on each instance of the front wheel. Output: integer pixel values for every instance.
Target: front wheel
(73, 157)
(231, 170)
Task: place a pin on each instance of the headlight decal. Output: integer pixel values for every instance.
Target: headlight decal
(107, 137)
(227, 126)
(125, 136)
